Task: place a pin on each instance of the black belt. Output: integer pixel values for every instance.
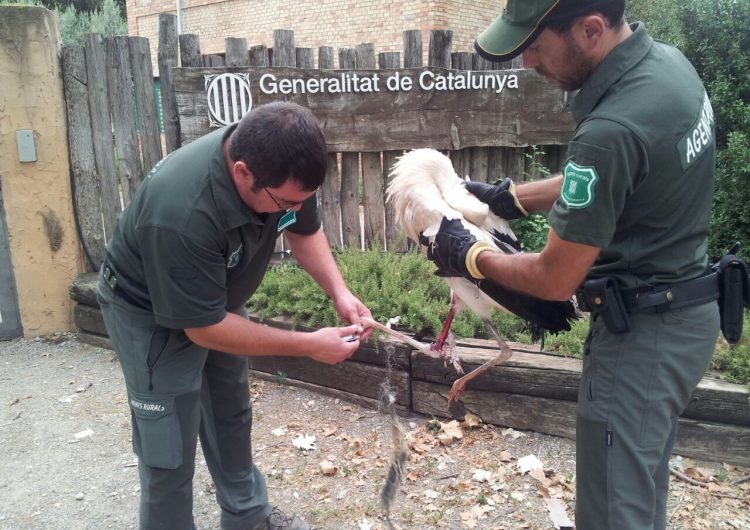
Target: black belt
(660, 298)
(110, 277)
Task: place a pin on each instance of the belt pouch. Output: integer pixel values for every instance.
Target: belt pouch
(603, 296)
(733, 295)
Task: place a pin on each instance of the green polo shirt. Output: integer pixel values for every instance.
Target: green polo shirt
(639, 172)
(187, 247)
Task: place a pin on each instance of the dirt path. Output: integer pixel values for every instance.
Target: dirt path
(67, 461)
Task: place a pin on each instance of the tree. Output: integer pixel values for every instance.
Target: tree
(713, 35)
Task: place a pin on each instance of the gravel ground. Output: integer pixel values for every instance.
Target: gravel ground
(67, 460)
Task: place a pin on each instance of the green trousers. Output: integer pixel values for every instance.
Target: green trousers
(178, 391)
(633, 388)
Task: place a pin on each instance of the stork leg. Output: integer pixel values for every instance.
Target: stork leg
(371, 323)
(445, 337)
(505, 354)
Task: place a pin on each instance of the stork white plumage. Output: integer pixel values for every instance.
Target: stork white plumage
(424, 189)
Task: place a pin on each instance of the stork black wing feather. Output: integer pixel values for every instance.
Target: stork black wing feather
(549, 315)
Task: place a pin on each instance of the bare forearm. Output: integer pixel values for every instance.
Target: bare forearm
(240, 336)
(539, 195)
(552, 274)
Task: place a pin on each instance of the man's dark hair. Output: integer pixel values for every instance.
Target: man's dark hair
(281, 141)
(613, 11)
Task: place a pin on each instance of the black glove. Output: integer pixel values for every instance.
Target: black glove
(455, 250)
(501, 198)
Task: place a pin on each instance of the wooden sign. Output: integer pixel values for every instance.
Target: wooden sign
(381, 110)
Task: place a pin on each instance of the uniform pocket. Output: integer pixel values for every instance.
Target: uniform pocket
(157, 438)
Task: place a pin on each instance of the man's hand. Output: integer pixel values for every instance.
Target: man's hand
(455, 250)
(501, 198)
(351, 310)
(334, 345)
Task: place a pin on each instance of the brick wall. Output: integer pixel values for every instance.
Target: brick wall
(336, 23)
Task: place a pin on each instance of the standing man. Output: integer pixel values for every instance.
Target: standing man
(629, 222)
(185, 256)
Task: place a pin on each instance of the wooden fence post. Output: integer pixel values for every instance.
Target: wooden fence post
(259, 56)
(372, 170)
(167, 58)
(305, 57)
(143, 81)
(101, 129)
(190, 50)
(329, 192)
(350, 225)
(393, 237)
(283, 48)
(413, 48)
(82, 161)
(236, 53)
(119, 82)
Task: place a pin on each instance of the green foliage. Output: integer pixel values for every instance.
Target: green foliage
(532, 231)
(714, 37)
(105, 20)
(76, 18)
(734, 361)
(730, 221)
(390, 284)
(659, 17)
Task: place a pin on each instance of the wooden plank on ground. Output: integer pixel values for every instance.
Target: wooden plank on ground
(525, 373)
(558, 377)
(82, 159)
(702, 440)
(549, 416)
(89, 319)
(357, 378)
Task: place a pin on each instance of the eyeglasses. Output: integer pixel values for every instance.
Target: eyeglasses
(281, 203)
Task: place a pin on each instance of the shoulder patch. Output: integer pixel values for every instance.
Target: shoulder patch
(578, 185)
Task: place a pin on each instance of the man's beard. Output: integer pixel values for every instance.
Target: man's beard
(579, 68)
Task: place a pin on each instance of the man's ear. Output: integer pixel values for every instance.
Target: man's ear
(591, 30)
(241, 175)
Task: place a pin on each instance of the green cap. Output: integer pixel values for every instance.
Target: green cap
(521, 23)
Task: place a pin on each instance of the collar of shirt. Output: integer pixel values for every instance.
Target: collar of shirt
(235, 212)
(620, 60)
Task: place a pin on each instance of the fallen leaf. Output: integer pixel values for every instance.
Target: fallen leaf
(327, 468)
(329, 431)
(505, 456)
(451, 432)
(529, 462)
(480, 475)
(471, 421)
(83, 434)
(306, 443)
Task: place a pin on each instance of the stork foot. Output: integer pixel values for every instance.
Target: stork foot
(457, 410)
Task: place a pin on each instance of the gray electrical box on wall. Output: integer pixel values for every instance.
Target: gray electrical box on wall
(26, 145)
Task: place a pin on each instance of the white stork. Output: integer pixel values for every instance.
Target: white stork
(424, 189)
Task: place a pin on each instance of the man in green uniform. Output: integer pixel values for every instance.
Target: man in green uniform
(629, 222)
(185, 256)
